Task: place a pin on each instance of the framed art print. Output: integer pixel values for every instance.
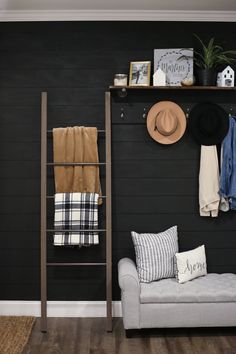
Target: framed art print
(176, 63)
(139, 74)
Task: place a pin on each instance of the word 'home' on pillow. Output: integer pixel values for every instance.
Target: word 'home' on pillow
(155, 254)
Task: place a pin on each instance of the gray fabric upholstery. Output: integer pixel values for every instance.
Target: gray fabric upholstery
(209, 288)
(216, 314)
(130, 292)
(208, 301)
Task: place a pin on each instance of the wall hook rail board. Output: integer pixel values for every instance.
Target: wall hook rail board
(123, 91)
(44, 231)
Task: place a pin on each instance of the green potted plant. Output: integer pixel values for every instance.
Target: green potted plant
(209, 58)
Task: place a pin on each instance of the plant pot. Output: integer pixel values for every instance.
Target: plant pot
(206, 77)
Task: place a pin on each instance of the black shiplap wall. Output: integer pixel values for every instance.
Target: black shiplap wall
(154, 186)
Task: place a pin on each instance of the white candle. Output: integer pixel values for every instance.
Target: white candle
(120, 80)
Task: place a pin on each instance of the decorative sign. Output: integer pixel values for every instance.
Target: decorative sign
(176, 63)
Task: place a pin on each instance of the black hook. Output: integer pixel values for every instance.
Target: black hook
(187, 112)
(144, 113)
(122, 113)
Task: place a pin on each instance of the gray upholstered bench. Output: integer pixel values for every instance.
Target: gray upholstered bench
(208, 301)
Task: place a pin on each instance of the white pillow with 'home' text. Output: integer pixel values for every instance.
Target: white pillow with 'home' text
(191, 264)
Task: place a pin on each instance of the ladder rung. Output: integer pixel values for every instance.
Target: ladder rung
(77, 231)
(99, 131)
(75, 163)
(53, 197)
(75, 264)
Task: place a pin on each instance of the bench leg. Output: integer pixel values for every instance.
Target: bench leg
(129, 333)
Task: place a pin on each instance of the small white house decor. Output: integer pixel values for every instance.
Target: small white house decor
(159, 78)
(226, 77)
(177, 64)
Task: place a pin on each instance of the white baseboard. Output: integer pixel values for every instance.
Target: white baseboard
(59, 308)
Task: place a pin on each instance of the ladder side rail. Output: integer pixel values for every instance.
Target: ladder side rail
(43, 212)
(108, 212)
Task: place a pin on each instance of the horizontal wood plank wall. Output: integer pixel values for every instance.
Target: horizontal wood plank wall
(154, 186)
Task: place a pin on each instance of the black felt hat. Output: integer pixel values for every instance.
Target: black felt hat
(208, 123)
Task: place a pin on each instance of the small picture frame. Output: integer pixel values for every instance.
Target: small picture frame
(139, 73)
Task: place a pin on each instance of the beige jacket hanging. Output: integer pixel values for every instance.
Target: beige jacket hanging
(209, 198)
(76, 144)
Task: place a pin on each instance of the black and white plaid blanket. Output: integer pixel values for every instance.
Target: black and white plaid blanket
(75, 212)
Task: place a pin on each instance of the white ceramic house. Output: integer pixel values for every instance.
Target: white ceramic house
(159, 78)
(226, 77)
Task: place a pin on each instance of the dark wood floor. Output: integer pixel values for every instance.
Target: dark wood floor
(89, 336)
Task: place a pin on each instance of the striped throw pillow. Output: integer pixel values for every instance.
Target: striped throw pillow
(155, 254)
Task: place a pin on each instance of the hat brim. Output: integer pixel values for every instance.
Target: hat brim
(200, 110)
(181, 126)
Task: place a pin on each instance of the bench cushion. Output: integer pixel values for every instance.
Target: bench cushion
(210, 288)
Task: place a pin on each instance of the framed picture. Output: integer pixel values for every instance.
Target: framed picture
(177, 64)
(139, 74)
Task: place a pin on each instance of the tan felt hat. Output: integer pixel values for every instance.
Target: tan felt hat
(166, 122)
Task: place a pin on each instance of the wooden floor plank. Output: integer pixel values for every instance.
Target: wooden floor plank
(89, 336)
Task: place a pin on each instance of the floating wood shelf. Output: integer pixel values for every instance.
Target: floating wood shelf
(122, 91)
(119, 88)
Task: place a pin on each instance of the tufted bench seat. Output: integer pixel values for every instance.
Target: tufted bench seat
(202, 302)
(210, 288)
